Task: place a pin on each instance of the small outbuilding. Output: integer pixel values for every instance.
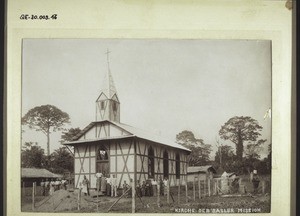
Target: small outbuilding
(202, 172)
(30, 175)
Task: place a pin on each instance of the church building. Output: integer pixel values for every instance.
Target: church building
(110, 147)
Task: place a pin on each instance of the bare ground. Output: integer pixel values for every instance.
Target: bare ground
(65, 201)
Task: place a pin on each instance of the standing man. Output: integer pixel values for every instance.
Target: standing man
(154, 187)
(43, 187)
(255, 181)
(85, 186)
(166, 184)
(114, 186)
(47, 187)
(161, 184)
(108, 186)
(98, 181)
(103, 185)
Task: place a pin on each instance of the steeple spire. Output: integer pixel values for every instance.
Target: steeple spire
(107, 57)
(107, 104)
(108, 86)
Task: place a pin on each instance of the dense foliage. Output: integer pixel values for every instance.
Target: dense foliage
(32, 156)
(60, 161)
(200, 151)
(68, 136)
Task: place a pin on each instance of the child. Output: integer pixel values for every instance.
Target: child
(143, 188)
(138, 189)
(125, 187)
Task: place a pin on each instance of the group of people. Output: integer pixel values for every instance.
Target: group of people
(48, 187)
(150, 187)
(108, 185)
(104, 184)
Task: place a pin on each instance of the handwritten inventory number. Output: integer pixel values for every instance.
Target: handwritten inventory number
(38, 17)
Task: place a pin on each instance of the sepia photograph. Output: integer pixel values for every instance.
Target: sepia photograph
(146, 125)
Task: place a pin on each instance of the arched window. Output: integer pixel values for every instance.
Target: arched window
(166, 164)
(150, 162)
(102, 154)
(177, 166)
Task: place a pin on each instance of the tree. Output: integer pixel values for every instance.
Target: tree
(68, 135)
(224, 156)
(238, 130)
(199, 150)
(32, 155)
(46, 118)
(253, 149)
(61, 161)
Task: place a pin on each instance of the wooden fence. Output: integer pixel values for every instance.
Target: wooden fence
(191, 191)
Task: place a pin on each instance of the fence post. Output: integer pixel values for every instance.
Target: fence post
(199, 186)
(158, 194)
(79, 199)
(179, 192)
(97, 193)
(186, 192)
(263, 186)
(208, 183)
(33, 193)
(200, 189)
(133, 195)
(194, 188)
(204, 188)
(168, 192)
(215, 187)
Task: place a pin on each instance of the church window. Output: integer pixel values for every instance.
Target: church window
(177, 166)
(102, 154)
(150, 162)
(166, 164)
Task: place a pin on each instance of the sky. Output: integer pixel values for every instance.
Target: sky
(164, 86)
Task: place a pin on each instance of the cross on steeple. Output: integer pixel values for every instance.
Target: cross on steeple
(107, 57)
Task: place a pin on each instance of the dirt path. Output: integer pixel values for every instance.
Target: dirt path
(65, 201)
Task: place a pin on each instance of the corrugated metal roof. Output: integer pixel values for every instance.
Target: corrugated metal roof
(38, 173)
(98, 139)
(195, 169)
(149, 136)
(83, 131)
(134, 132)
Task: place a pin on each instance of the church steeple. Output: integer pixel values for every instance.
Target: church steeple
(108, 104)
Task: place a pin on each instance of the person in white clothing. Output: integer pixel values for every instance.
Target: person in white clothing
(114, 186)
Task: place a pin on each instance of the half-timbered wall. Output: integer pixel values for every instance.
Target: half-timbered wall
(85, 163)
(121, 157)
(143, 159)
(103, 130)
(121, 161)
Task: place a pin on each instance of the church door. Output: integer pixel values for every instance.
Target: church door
(102, 164)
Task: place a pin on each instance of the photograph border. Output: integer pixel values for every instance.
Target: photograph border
(249, 24)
